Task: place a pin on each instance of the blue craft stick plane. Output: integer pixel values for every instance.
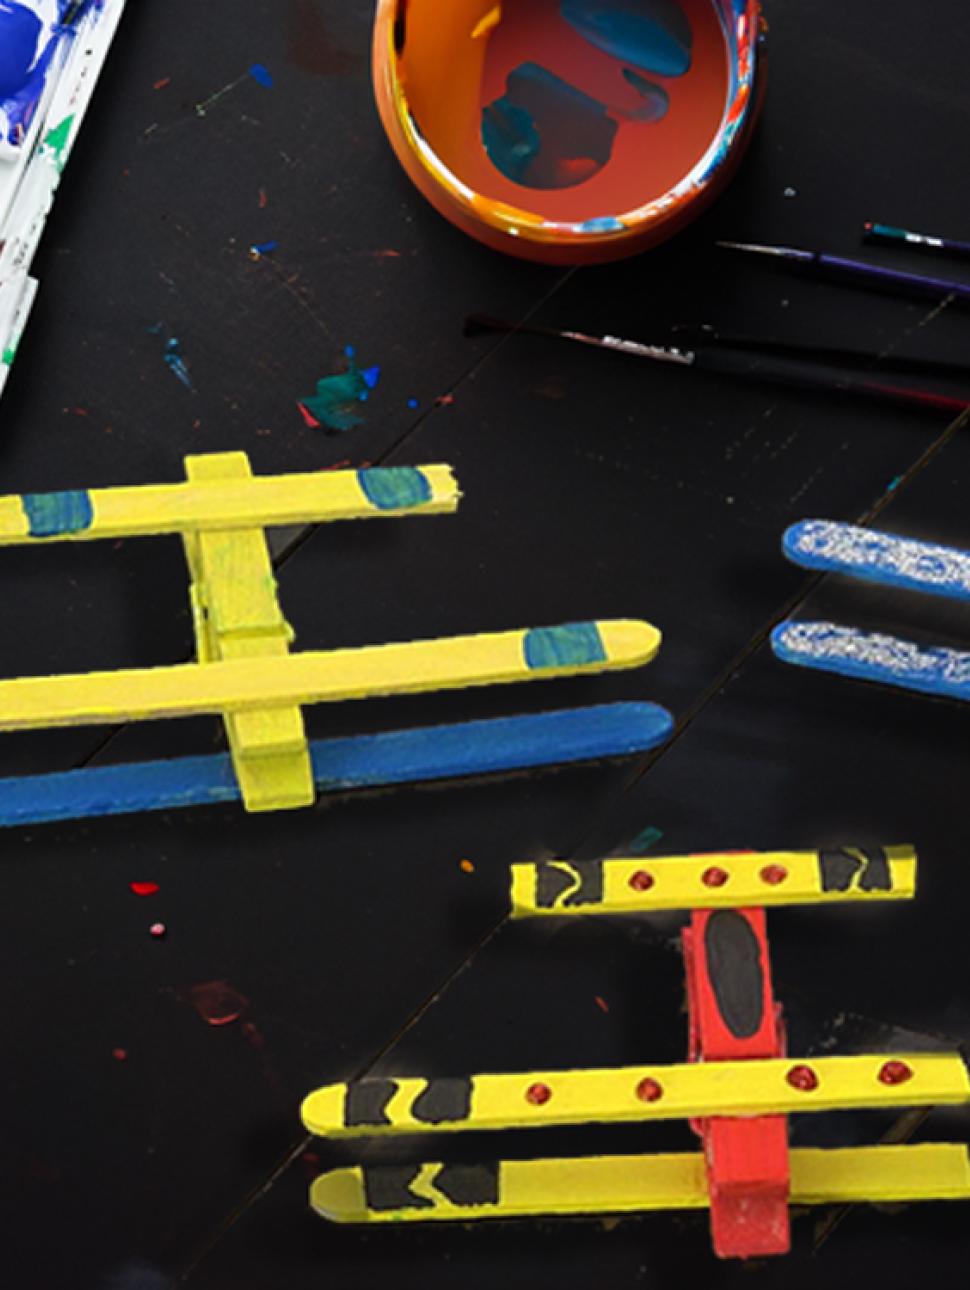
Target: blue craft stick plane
(871, 556)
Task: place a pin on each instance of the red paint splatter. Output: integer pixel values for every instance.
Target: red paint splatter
(77, 412)
(158, 930)
(263, 199)
(120, 1054)
(160, 85)
(387, 254)
(308, 417)
(217, 1003)
(601, 1003)
(445, 400)
(144, 888)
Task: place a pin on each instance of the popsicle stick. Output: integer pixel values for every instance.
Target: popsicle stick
(628, 1184)
(382, 1107)
(558, 888)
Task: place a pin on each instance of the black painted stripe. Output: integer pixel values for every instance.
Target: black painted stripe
(366, 1102)
(734, 971)
(443, 1100)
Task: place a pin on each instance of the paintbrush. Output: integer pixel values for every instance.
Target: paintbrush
(726, 363)
(840, 268)
(889, 235)
(705, 334)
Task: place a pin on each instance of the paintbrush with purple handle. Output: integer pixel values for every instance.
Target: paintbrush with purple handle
(857, 271)
(801, 376)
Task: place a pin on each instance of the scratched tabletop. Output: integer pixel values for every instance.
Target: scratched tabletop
(150, 1088)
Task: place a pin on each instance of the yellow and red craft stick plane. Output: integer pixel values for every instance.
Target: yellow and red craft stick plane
(246, 674)
(736, 1089)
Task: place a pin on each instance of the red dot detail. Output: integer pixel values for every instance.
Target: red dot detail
(641, 880)
(895, 1072)
(773, 874)
(119, 1054)
(714, 877)
(538, 1094)
(157, 930)
(803, 1078)
(648, 1090)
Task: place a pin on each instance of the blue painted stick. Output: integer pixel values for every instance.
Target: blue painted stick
(879, 557)
(870, 656)
(339, 765)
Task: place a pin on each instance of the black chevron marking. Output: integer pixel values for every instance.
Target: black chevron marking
(468, 1184)
(866, 867)
(552, 880)
(366, 1101)
(443, 1100)
(734, 971)
(389, 1187)
(590, 889)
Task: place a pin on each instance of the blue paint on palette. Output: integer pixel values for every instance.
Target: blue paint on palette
(870, 656)
(53, 514)
(653, 35)
(879, 557)
(395, 488)
(31, 35)
(368, 761)
(545, 133)
(572, 645)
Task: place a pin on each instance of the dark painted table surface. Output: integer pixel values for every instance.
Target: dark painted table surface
(594, 487)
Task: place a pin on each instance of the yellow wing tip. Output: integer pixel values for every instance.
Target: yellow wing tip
(338, 1196)
(630, 642)
(322, 1110)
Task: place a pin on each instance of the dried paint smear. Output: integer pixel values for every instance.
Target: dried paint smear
(546, 133)
(337, 402)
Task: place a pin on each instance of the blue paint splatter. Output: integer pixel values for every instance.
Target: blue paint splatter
(645, 839)
(653, 35)
(176, 363)
(336, 403)
(602, 224)
(572, 645)
(413, 403)
(51, 514)
(545, 133)
(262, 248)
(261, 75)
(396, 488)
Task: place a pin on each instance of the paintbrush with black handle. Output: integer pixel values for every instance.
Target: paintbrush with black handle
(728, 362)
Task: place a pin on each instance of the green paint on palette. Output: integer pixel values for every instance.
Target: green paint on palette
(573, 645)
(57, 139)
(645, 839)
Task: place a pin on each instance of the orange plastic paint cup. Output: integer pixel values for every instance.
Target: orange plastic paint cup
(569, 131)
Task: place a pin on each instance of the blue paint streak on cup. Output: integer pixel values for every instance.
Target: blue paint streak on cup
(653, 35)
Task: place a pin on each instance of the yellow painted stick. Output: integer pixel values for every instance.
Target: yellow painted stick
(562, 887)
(237, 614)
(629, 1184)
(627, 1094)
(88, 514)
(320, 677)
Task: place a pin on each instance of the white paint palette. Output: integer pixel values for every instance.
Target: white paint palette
(72, 41)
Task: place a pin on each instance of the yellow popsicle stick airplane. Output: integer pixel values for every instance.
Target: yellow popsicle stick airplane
(245, 672)
(736, 1089)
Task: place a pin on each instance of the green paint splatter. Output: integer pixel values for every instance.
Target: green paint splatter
(57, 140)
(337, 401)
(647, 838)
(9, 354)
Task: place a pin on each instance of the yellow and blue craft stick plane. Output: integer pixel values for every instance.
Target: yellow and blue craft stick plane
(246, 673)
